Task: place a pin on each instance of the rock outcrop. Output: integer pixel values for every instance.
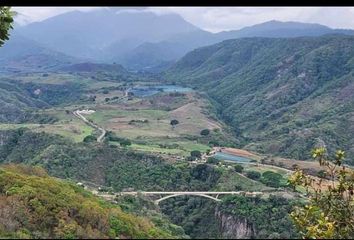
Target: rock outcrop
(233, 227)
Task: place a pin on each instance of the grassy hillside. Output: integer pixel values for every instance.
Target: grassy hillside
(20, 100)
(282, 96)
(16, 103)
(34, 205)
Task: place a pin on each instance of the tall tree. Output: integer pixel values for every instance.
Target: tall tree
(6, 20)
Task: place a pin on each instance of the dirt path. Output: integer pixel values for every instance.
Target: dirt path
(78, 114)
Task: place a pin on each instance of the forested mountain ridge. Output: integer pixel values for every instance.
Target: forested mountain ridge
(152, 53)
(16, 103)
(20, 100)
(281, 95)
(102, 36)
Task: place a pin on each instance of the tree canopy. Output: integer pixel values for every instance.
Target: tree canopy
(174, 122)
(6, 20)
(205, 132)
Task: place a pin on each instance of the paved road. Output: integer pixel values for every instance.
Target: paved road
(103, 131)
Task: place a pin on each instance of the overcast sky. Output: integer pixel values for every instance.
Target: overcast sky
(217, 19)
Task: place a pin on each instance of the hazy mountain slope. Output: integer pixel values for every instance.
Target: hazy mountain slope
(95, 67)
(22, 54)
(281, 95)
(87, 34)
(148, 55)
(282, 29)
(186, 42)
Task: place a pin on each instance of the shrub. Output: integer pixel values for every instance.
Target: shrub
(125, 142)
(90, 138)
(196, 154)
(205, 132)
(213, 160)
(174, 122)
(238, 168)
(253, 175)
(271, 179)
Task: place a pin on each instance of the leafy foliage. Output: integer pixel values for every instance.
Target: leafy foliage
(330, 210)
(6, 20)
(34, 205)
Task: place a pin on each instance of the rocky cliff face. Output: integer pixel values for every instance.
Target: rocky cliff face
(232, 227)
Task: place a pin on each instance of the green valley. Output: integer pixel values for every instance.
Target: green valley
(133, 123)
(281, 96)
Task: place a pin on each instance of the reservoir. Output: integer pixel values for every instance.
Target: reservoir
(230, 157)
(145, 91)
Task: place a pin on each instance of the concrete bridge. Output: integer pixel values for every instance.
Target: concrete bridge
(210, 195)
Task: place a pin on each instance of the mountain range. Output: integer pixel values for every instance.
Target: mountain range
(281, 95)
(150, 41)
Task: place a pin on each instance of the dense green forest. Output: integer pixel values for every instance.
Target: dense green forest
(196, 215)
(269, 217)
(103, 164)
(271, 96)
(35, 205)
(282, 96)
(120, 169)
(259, 218)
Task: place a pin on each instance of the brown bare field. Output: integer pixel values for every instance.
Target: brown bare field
(308, 166)
(192, 118)
(239, 152)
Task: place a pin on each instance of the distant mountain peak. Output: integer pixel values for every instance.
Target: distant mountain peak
(287, 24)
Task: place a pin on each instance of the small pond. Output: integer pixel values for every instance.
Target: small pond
(230, 157)
(145, 91)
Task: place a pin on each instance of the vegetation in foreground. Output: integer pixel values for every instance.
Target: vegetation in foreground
(6, 21)
(330, 212)
(34, 205)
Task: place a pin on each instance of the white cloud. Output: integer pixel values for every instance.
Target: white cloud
(228, 18)
(223, 18)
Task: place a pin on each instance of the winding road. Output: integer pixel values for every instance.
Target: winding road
(78, 114)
